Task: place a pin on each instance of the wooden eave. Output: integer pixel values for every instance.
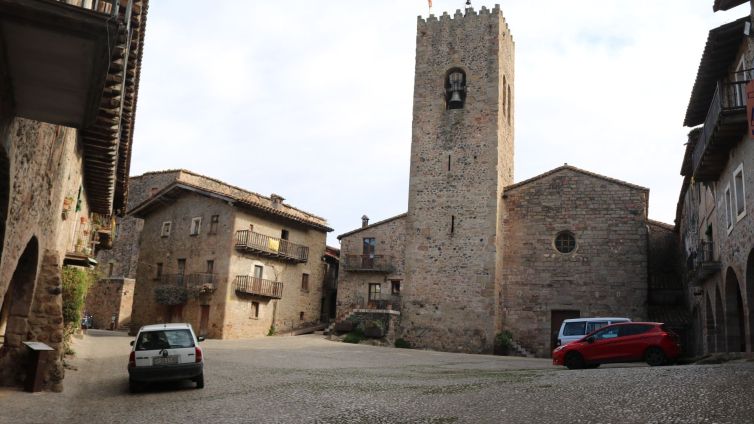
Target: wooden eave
(727, 4)
(722, 47)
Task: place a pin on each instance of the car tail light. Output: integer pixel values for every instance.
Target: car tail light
(132, 359)
(198, 354)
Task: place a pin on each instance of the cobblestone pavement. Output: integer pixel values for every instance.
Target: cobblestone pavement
(307, 379)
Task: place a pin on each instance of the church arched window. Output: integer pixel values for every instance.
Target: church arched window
(455, 89)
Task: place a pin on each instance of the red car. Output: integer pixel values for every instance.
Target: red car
(625, 342)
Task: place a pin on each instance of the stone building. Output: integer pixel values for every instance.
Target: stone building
(232, 263)
(476, 254)
(69, 77)
(714, 219)
(110, 300)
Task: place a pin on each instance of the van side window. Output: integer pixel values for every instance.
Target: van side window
(594, 326)
(574, 328)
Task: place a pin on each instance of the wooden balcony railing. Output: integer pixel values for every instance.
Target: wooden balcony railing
(367, 263)
(271, 246)
(724, 126)
(258, 286)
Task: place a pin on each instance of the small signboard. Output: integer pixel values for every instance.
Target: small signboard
(37, 346)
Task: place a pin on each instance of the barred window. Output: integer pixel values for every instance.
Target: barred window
(565, 242)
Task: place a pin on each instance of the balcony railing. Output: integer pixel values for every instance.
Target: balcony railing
(367, 263)
(705, 263)
(271, 246)
(384, 301)
(195, 280)
(724, 126)
(258, 286)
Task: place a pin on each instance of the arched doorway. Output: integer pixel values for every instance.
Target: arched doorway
(17, 300)
(750, 296)
(734, 314)
(719, 321)
(709, 324)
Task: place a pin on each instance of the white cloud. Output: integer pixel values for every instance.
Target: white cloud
(313, 100)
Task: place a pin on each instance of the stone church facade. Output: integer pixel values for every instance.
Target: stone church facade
(476, 254)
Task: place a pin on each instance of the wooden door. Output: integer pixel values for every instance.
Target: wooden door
(556, 319)
(204, 320)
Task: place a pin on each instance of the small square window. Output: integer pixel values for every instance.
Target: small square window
(728, 209)
(196, 226)
(738, 184)
(374, 291)
(395, 287)
(210, 266)
(301, 316)
(284, 234)
(165, 229)
(305, 282)
(254, 310)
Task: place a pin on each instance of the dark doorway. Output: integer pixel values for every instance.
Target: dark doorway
(719, 321)
(734, 314)
(556, 319)
(176, 313)
(17, 300)
(750, 297)
(709, 325)
(204, 320)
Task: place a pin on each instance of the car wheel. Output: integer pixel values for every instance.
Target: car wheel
(655, 357)
(574, 361)
(200, 381)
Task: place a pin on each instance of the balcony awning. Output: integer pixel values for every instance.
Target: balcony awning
(727, 4)
(720, 51)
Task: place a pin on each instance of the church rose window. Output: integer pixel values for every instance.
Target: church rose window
(565, 242)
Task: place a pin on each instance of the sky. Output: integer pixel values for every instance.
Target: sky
(312, 100)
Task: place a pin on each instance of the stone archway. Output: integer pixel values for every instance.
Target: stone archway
(750, 297)
(719, 321)
(17, 301)
(734, 314)
(4, 196)
(709, 324)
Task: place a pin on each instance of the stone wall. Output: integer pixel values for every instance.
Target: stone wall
(108, 298)
(460, 161)
(606, 274)
(353, 286)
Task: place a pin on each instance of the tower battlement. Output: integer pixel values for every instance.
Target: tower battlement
(432, 21)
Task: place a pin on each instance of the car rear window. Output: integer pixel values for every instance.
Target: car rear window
(164, 339)
(634, 329)
(574, 328)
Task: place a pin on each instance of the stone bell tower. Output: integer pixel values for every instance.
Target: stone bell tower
(461, 158)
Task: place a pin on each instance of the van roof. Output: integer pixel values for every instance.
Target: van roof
(596, 319)
(171, 326)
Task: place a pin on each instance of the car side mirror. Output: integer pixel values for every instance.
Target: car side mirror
(132, 342)
(200, 338)
(590, 340)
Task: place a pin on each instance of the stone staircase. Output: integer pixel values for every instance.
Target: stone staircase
(518, 350)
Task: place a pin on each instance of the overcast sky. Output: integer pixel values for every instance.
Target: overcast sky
(312, 100)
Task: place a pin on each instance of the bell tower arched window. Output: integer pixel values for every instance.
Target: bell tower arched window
(455, 89)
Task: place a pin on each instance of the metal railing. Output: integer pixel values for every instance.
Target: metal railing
(258, 286)
(271, 246)
(188, 280)
(729, 96)
(378, 263)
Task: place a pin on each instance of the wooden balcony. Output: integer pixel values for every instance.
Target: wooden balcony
(189, 281)
(367, 263)
(704, 263)
(248, 284)
(260, 244)
(724, 126)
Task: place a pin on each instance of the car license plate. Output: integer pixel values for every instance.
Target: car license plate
(165, 360)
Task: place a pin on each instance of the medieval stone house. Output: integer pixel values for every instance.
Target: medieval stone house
(69, 74)
(232, 263)
(714, 215)
(476, 254)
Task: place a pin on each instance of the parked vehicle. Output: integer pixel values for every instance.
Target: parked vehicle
(165, 352)
(575, 328)
(87, 321)
(625, 342)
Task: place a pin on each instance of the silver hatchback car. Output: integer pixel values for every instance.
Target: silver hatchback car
(165, 352)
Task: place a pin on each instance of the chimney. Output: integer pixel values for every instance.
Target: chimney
(364, 221)
(276, 200)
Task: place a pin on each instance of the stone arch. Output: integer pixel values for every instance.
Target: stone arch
(750, 297)
(719, 321)
(734, 314)
(4, 196)
(14, 316)
(709, 324)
